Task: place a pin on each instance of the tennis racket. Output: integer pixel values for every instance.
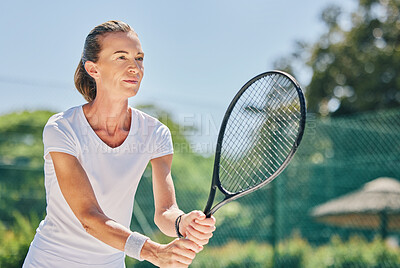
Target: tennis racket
(260, 132)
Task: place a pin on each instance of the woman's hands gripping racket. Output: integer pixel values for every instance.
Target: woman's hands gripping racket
(259, 135)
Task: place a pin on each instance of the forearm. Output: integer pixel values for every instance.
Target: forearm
(116, 235)
(166, 208)
(105, 229)
(165, 219)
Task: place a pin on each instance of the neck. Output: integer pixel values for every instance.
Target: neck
(109, 115)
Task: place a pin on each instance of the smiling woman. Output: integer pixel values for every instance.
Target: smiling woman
(91, 176)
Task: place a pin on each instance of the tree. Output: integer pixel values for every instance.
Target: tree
(354, 65)
(21, 164)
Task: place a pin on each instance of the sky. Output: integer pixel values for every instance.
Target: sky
(198, 54)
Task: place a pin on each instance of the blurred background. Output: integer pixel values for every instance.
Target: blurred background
(338, 202)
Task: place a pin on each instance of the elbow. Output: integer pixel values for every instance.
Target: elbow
(162, 219)
(86, 225)
(89, 220)
(157, 220)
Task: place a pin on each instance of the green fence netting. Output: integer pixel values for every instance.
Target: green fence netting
(337, 156)
(272, 227)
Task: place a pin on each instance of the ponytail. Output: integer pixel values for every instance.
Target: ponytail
(84, 83)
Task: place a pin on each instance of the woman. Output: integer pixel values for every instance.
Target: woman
(95, 155)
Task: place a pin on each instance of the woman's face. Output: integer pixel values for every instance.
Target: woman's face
(119, 69)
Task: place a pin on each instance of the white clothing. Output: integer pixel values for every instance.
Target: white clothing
(114, 174)
(38, 258)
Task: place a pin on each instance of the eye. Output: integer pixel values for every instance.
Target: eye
(140, 58)
(122, 58)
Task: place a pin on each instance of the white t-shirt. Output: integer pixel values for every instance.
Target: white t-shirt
(114, 174)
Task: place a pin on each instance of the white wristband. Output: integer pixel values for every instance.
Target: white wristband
(134, 244)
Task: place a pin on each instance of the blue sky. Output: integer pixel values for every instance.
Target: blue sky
(198, 53)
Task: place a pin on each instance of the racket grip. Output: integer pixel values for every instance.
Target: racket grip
(208, 210)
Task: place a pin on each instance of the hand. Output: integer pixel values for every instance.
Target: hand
(196, 227)
(178, 253)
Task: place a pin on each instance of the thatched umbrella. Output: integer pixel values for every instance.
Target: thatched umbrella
(376, 205)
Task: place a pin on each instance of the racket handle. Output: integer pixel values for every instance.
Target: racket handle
(210, 201)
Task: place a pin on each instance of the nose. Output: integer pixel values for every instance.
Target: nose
(134, 67)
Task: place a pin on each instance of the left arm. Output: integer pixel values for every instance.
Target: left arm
(166, 208)
(194, 225)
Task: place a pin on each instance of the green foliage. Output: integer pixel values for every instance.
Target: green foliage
(21, 163)
(356, 252)
(292, 253)
(181, 144)
(235, 254)
(21, 183)
(21, 138)
(15, 240)
(354, 65)
(346, 145)
(296, 253)
(132, 263)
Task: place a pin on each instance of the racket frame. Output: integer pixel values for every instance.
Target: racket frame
(216, 183)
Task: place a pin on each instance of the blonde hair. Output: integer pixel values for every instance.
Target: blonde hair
(84, 83)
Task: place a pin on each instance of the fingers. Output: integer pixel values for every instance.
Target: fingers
(183, 254)
(196, 214)
(202, 227)
(207, 221)
(190, 245)
(178, 253)
(198, 228)
(200, 233)
(198, 237)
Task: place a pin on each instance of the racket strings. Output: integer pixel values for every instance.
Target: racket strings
(273, 164)
(235, 124)
(272, 152)
(274, 98)
(264, 172)
(260, 133)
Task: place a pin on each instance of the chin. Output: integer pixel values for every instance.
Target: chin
(133, 93)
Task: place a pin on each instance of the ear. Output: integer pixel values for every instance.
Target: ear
(91, 69)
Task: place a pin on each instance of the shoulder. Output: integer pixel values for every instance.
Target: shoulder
(64, 122)
(60, 134)
(68, 116)
(144, 116)
(148, 121)
(151, 127)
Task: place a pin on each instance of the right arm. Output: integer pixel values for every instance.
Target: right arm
(78, 192)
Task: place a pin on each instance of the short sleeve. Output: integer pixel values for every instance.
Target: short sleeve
(162, 142)
(57, 138)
